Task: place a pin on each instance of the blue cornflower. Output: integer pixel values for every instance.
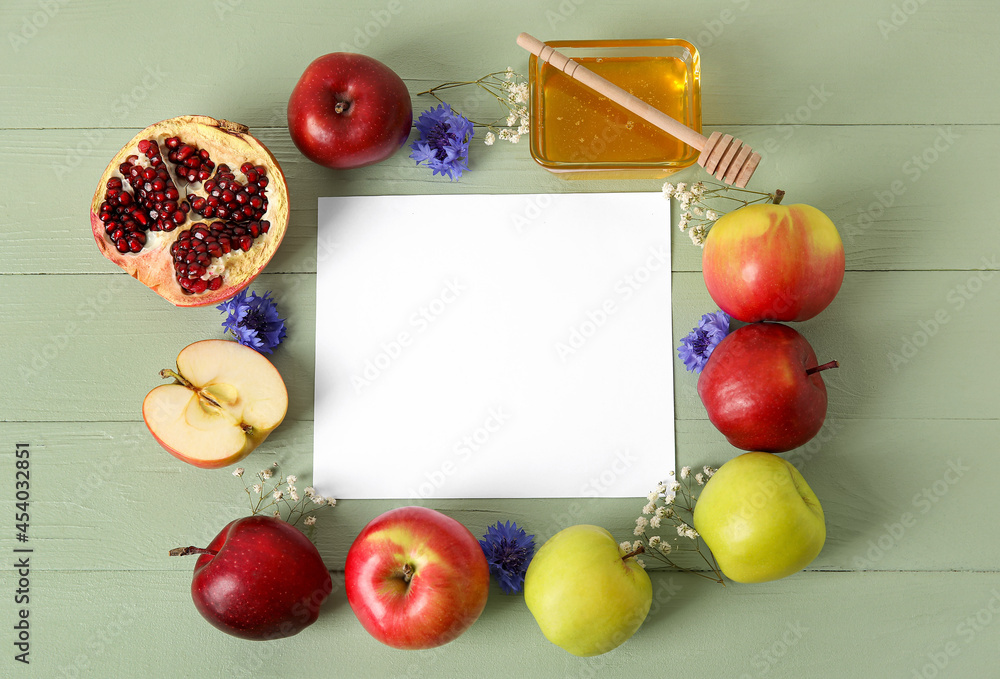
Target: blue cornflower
(254, 321)
(508, 551)
(700, 343)
(444, 141)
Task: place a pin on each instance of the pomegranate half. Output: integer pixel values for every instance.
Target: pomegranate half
(193, 207)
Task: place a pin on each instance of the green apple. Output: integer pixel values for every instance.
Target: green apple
(760, 518)
(585, 596)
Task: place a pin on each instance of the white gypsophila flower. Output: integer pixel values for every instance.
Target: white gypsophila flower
(661, 488)
(490, 138)
(293, 494)
(649, 508)
(331, 502)
(655, 522)
(238, 472)
(709, 471)
(509, 73)
(682, 529)
(661, 512)
(275, 464)
(511, 119)
(266, 474)
(668, 513)
(277, 495)
(668, 190)
(514, 139)
(276, 513)
(691, 533)
(698, 189)
(625, 547)
(523, 129)
(655, 540)
(642, 522)
(256, 487)
(637, 530)
(317, 499)
(697, 211)
(310, 520)
(685, 472)
(309, 491)
(711, 215)
(505, 134)
(636, 545)
(522, 112)
(640, 562)
(665, 548)
(674, 487)
(652, 495)
(700, 478)
(681, 187)
(290, 479)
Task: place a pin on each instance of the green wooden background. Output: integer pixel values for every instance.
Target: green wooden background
(851, 103)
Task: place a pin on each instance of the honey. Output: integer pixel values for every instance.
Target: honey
(577, 129)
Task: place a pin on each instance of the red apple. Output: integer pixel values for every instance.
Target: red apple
(349, 110)
(773, 262)
(762, 388)
(260, 578)
(416, 578)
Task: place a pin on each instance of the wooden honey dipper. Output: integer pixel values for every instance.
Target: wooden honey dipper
(728, 158)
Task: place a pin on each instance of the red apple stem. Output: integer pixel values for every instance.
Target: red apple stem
(638, 550)
(778, 196)
(185, 551)
(825, 366)
(407, 572)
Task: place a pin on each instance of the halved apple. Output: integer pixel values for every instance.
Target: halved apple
(225, 400)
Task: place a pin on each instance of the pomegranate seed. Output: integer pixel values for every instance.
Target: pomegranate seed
(215, 283)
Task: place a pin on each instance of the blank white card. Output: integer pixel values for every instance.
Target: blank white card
(473, 346)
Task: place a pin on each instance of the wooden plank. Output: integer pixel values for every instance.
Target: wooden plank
(822, 71)
(851, 173)
(895, 333)
(895, 624)
(889, 489)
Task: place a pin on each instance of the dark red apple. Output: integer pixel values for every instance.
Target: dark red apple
(762, 388)
(416, 578)
(349, 110)
(260, 579)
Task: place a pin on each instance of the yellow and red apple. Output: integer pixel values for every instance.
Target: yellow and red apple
(225, 400)
(416, 578)
(773, 262)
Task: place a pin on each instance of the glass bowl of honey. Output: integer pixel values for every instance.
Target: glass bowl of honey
(577, 133)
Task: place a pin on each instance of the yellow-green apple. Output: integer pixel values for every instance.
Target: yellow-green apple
(416, 578)
(587, 596)
(349, 110)
(762, 388)
(773, 262)
(260, 578)
(760, 518)
(226, 398)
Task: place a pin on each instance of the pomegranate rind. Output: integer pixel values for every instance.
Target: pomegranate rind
(227, 143)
